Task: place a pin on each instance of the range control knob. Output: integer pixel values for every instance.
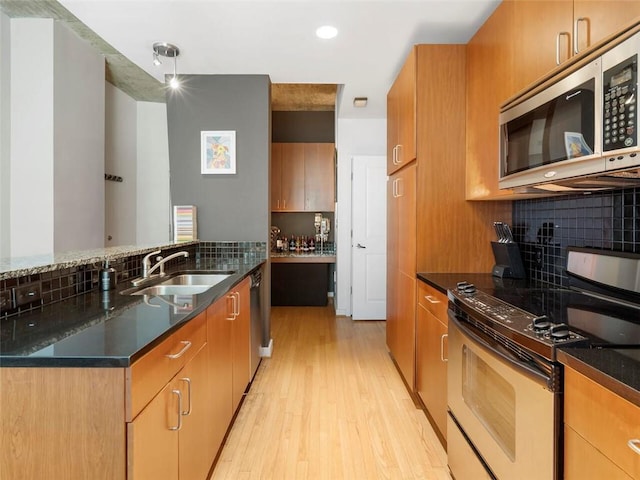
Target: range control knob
(541, 324)
(461, 285)
(560, 331)
(469, 289)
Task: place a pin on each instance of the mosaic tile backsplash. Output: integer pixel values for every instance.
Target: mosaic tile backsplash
(544, 228)
(61, 284)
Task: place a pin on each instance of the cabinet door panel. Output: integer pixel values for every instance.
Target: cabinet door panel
(406, 335)
(292, 185)
(196, 451)
(431, 370)
(319, 184)
(152, 447)
(536, 25)
(276, 176)
(604, 18)
(582, 460)
(241, 344)
(219, 343)
(489, 83)
(406, 191)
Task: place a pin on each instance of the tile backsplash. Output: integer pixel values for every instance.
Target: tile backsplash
(544, 228)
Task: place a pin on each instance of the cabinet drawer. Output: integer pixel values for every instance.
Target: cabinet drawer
(433, 300)
(582, 460)
(603, 419)
(147, 376)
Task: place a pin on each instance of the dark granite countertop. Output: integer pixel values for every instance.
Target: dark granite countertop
(616, 369)
(103, 330)
(448, 281)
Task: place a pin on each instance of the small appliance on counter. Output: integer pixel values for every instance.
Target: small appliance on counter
(323, 227)
(506, 253)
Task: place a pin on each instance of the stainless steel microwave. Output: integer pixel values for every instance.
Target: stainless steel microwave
(580, 132)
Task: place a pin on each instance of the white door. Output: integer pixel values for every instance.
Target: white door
(369, 238)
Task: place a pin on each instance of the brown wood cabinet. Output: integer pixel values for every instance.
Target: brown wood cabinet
(401, 273)
(240, 319)
(161, 438)
(163, 417)
(431, 227)
(598, 426)
(302, 177)
(164, 440)
(514, 48)
(431, 353)
(401, 117)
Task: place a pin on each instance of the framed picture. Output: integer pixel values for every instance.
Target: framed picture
(218, 152)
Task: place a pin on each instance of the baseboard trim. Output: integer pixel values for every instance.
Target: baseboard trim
(266, 351)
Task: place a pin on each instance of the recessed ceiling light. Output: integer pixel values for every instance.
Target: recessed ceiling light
(326, 32)
(360, 102)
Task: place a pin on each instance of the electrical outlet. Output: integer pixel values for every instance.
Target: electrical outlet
(538, 258)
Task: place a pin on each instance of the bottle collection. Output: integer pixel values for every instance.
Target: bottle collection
(300, 243)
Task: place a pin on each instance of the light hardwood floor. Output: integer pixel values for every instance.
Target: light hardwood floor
(329, 404)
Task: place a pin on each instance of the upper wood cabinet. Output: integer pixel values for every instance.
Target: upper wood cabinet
(519, 44)
(302, 177)
(401, 117)
(549, 32)
(490, 81)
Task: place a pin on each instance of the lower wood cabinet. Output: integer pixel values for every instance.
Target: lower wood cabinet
(598, 426)
(165, 440)
(431, 353)
(164, 417)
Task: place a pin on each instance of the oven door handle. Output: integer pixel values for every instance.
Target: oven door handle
(532, 371)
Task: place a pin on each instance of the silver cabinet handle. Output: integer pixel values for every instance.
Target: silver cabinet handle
(234, 308)
(395, 188)
(561, 34)
(431, 299)
(394, 157)
(237, 295)
(187, 380)
(179, 426)
(634, 444)
(187, 346)
(398, 159)
(398, 189)
(576, 46)
(442, 347)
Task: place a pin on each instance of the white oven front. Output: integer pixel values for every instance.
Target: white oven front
(503, 408)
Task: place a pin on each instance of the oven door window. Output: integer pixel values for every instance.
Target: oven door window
(497, 412)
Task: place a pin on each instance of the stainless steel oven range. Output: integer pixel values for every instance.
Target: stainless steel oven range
(504, 382)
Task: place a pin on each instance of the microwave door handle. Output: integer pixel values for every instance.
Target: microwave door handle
(495, 348)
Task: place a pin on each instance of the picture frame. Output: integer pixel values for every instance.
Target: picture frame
(218, 152)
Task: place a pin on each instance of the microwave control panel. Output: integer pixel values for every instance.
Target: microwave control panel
(620, 105)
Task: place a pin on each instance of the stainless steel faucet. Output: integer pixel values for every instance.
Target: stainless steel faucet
(147, 269)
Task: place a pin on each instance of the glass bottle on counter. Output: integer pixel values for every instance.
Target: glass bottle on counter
(305, 244)
(312, 245)
(292, 244)
(279, 245)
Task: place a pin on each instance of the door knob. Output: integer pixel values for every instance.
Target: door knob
(360, 246)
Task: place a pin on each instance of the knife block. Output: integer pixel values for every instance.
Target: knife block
(508, 260)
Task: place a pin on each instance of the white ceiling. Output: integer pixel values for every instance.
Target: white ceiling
(277, 38)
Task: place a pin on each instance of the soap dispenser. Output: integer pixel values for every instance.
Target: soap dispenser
(107, 277)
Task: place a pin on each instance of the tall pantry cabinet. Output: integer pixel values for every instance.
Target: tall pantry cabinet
(431, 227)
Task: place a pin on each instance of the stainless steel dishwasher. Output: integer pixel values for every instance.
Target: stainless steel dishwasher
(256, 320)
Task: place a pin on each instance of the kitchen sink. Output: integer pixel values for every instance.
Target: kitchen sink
(184, 283)
(196, 279)
(172, 290)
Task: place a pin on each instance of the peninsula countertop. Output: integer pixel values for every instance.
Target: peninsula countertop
(103, 329)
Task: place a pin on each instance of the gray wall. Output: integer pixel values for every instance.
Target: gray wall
(230, 207)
